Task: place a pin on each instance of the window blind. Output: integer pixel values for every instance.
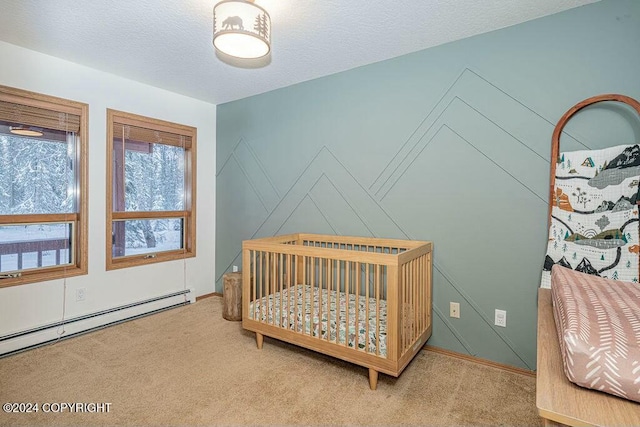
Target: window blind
(17, 114)
(135, 134)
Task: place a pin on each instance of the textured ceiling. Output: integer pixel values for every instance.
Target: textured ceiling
(167, 43)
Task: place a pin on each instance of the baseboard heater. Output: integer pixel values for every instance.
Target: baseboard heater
(35, 337)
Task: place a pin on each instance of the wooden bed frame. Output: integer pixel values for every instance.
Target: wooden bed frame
(559, 401)
(395, 272)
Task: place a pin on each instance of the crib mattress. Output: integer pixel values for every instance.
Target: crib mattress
(598, 326)
(329, 316)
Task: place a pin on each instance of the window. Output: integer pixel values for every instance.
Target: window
(150, 190)
(43, 187)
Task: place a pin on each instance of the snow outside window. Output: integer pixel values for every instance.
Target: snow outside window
(42, 187)
(152, 175)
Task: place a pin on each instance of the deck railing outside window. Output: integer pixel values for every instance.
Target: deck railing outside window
(25, 254)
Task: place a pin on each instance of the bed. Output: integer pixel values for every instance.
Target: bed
(363, 300)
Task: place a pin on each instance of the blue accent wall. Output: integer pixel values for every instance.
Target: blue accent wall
(450, 144)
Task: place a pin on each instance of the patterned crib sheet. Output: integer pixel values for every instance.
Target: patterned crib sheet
(328, 309)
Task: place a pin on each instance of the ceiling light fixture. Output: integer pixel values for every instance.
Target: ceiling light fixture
(25, 131)
(241, 29)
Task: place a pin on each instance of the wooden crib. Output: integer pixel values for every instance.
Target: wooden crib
(363, 300)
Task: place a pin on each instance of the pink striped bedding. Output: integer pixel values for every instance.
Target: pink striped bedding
(598, 325)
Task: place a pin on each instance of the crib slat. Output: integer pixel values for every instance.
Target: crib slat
(256, 280)
(407, 302)
(270, 289)
(281, 271)
(413, 301)
(260, 285)
(313, 300)
(407, 290)
(422, 282)
(419, 303)
(263, 289)
(284, 306)
(249, 285)
(267, 284)
(423, 293)
(272, 285)
(328, 279)
(284, 309)
(304, 295)
(394, 304)
(429, 288)
(416, 299)
(267, 288)
(330, 296)
(368, 315)
(276, 284)
(247, 258)
(405, 308)
(410, 306)
(427, 291)
(291, 290)
(347, 301)
(405, 273)
(295, 296)
(318, 266)
(378, 309)
(325, 295)
(358, 270)
(339, 296)
(401, 304)
(319, 273)
(407, 319)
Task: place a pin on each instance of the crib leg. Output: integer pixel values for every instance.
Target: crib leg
(259, 339)
(373, 378)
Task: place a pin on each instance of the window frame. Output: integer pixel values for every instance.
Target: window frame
(188, 212)
(79, 256)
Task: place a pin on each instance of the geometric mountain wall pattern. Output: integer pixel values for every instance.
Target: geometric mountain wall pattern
(449, 145)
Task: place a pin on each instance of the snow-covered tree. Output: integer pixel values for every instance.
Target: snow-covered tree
(35, 176)
(153, 182)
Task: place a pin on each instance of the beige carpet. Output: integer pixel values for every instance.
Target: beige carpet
(188, 366)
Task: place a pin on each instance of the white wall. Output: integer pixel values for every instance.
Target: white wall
(27, 306)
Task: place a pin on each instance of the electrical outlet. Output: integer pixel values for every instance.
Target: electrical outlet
(80, 294)
(454, 309)
(501, 318)
(234, 269)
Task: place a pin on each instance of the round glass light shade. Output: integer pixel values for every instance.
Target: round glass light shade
(241, 29)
